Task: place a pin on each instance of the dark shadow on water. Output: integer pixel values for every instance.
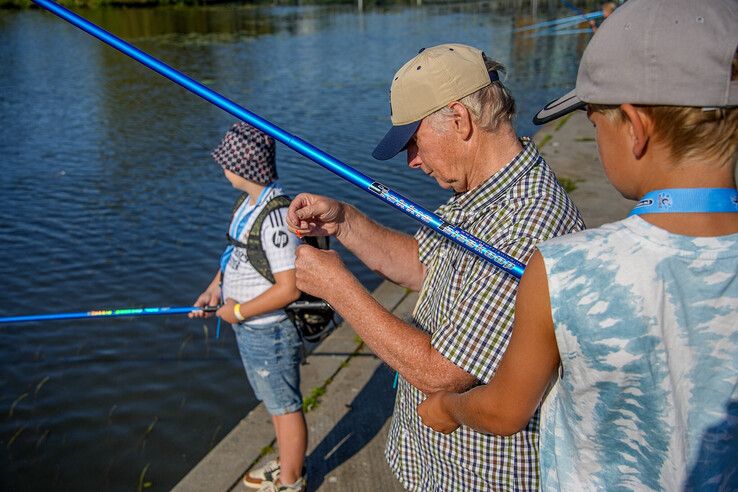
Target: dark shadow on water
(369, 411)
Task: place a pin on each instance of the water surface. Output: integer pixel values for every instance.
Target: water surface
(108, 198)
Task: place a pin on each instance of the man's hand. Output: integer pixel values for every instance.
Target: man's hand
(435, 414)
(315, 215)
(320, 273)
(226, 312)
(211, 297)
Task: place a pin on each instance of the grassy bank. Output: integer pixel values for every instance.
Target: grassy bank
(23, 4)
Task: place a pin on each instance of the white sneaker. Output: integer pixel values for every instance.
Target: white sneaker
(267, 473)
(299, 486)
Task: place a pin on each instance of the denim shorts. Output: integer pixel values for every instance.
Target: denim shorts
(271, 355)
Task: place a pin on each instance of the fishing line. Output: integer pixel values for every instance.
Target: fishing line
(375, 188)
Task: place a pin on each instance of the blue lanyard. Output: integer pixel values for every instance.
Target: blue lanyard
(242, 218)
(687, 200)
(239, 221)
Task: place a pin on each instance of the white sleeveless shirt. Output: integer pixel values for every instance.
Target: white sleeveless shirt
(647, 327)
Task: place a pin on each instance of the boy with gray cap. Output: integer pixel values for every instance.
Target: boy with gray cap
(630, 331)
(453, 116)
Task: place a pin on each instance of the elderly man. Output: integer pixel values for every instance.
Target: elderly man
(453, 116)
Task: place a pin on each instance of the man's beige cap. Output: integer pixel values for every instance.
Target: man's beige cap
(434, 78)
(425, 84)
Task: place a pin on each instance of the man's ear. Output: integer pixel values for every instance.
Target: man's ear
(639, 129)
(462, 120)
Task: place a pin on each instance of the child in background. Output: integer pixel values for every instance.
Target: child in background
(258, 280)
(629, 332)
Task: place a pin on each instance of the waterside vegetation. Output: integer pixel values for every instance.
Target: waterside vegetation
(92, 4)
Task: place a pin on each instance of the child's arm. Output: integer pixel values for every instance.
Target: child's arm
(279, 295)
(506, 404)
(211, 297)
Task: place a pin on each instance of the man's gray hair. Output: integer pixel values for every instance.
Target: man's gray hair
(489, 106)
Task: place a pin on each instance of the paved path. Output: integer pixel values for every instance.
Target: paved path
(348, 428)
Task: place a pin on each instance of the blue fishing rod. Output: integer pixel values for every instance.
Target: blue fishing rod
(108, 313)
(375, 188)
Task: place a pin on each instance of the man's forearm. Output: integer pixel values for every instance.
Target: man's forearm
(402, 346)
(392, 254)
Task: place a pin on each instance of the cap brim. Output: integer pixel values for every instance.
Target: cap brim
(395, 141)
(559, 107)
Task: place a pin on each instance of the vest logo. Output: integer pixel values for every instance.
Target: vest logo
(280, 239)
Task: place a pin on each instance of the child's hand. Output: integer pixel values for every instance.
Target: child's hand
(226, 312)
(210, 297)
(434, 413)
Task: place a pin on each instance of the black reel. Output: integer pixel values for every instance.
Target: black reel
(313, 317)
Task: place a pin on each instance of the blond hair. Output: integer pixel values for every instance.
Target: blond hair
(490, 106)
(686, 131)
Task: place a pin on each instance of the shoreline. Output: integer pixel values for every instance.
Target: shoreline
(134, 4)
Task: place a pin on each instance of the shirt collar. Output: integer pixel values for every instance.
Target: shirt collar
(470, 202)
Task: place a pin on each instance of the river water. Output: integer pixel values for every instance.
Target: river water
(108, 198)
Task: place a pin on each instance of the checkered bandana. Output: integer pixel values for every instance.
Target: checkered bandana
(249, 153)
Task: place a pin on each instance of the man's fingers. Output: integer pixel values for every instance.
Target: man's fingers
(306, 212)
(300, 201)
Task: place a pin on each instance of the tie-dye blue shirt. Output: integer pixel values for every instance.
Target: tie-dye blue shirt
(647, 327)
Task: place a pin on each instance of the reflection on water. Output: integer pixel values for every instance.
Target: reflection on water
(108, 198)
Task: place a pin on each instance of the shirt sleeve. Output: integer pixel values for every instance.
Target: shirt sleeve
(278, 241)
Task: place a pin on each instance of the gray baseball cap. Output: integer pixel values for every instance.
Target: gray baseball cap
(659, 53)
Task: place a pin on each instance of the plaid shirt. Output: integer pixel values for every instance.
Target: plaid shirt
(467, 306)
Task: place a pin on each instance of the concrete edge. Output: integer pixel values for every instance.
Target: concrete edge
(244, 445)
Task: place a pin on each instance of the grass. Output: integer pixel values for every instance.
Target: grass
(149, 429)
(40, 385)
(268, 449)
(15, 403)
(43, 437)
(563, 121)
(15, 436)
(142, 483)
(312, 401)
(569, 184)
(546, 138)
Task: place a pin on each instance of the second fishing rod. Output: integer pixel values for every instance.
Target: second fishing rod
(379, 190)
